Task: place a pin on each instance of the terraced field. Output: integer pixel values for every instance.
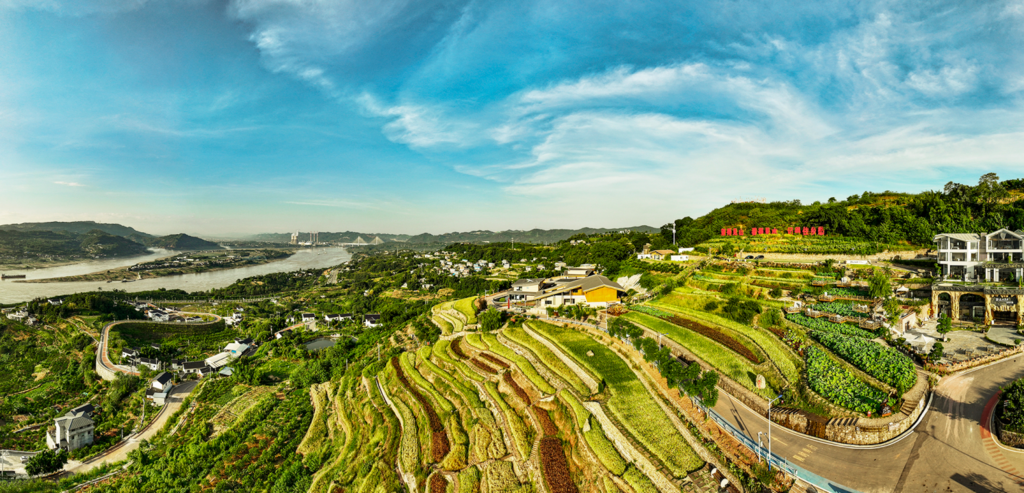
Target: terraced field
(501, 412)
(629, 400)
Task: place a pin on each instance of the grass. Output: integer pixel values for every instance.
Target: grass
(520, 432)
(712, 353)
(549, 359)
(531, 373)
(442, 351)
(604, 448)
(465, 307)
(629, 401)
(787, 362)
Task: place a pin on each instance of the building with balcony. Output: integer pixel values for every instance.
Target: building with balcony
(996, 257)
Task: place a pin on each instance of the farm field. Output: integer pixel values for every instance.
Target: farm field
(846, 356)
(465, 307)
(788, 362)
(629, 400)
(470, 414)
(723, 360)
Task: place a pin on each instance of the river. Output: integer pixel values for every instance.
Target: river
(14, 292)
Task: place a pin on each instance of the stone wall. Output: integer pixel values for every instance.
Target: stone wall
(1008, 437)
(841, 256)
(971, 363)
(850, 430)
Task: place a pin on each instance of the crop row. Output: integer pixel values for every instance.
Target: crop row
(834, 382)
(507, 377)
(777, 351)
(439, 440)
(524, 365)
(826, 326)
(630, 401)
(844, 309)
(519, 336)
(883, 363)
(710, 332)
(554, 467)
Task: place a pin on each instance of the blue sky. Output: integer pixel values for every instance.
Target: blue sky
(236, 116)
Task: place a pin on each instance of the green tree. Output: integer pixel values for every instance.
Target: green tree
(490, 320)
(936, 353)
(945, 325)
(46, 462)
(879, 286)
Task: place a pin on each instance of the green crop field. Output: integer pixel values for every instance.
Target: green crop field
(630, 402)
(787, 361)
(835, 383)
(884, 363)
(465, 306)
(714, 354)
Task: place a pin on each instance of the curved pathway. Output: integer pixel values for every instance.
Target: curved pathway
(120, 452)
(106, 368)
(949, 450)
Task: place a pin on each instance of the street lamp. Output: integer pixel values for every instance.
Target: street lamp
(770, 430)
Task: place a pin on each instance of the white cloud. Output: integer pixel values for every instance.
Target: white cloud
(69, 183)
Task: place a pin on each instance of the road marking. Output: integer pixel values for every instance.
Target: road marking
(780, 441)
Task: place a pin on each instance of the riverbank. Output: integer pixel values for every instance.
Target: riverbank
(177, 265)
(18, 292)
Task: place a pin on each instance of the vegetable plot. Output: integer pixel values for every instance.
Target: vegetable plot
(838, 385)
(826, 326)
(883, 363)
(844, 309)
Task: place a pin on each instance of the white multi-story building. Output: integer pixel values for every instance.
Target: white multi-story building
(992, 257)
(72, 431)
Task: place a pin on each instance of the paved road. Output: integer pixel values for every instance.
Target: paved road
(946, 452)
(103, 359)
(10, 460)
(121, 453)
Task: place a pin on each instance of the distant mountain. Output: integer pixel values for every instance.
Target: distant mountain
(78, 227)
(21, 246)
(531, 236)
(338, 237)
(182, 241)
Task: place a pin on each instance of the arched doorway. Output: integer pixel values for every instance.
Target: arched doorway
(972, 308)
(944, 304)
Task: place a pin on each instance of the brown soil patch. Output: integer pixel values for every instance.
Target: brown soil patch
(554, 467)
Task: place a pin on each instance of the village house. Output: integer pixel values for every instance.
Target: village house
(72, 431)
(152, 364)
(371, 320)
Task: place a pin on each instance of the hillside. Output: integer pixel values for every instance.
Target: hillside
(887, 218)
(339, 237)
(182, 241)
(78, 227)
(59, 246)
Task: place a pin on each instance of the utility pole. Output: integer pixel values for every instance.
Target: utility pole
(673, 232)
(770, 430)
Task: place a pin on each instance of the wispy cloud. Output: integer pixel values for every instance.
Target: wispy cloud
(69, 183)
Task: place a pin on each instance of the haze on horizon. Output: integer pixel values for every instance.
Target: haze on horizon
(246, 116)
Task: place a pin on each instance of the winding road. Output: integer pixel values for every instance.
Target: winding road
(950, 450)
(106, 368)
